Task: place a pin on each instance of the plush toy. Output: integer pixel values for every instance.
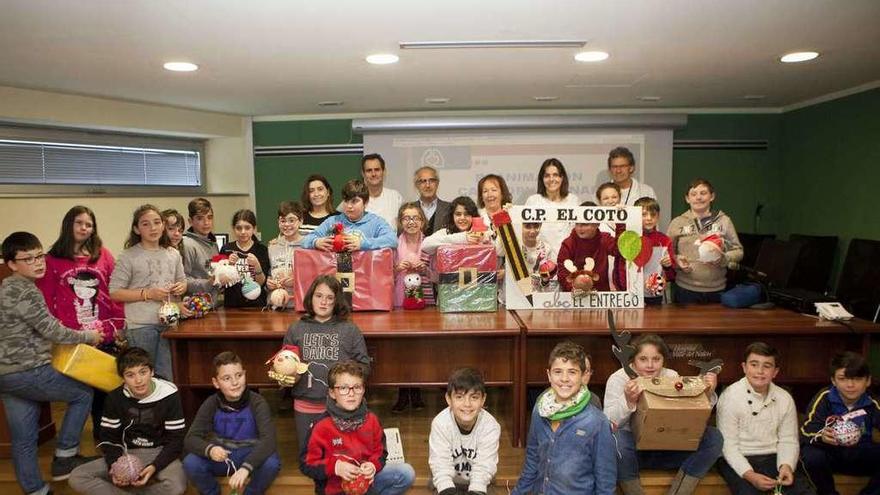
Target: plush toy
(250, 289)
(711, 248)
(169, 313)
(581, 280)
(338, 238)
(127, 468)
(287, 366)
(278, 299)
(225, 273)
(413, 298)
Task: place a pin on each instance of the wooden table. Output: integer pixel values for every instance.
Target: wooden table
(409, 348)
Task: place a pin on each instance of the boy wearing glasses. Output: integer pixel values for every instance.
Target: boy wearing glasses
(347, 445)
(27, 331)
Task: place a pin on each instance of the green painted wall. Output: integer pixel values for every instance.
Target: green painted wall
(831, 165)
(280, 178)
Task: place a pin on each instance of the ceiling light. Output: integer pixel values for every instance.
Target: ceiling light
(545, 98)
(382, 58)
(798, 57)
(331, 103)
(432, 45)
(648, 98)
(591, 56)
(437, 101)
(180, 66)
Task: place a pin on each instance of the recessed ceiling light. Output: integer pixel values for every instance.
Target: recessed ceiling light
(754, 97)
(437, 101)
(591, 56)
(180, 66)
(648, 98)
(545, 98)
(432, 45)
(798, 57)
(331, 103)
(382, 58)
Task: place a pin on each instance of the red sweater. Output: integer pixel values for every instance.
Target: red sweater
(577, 250)
(328, 445)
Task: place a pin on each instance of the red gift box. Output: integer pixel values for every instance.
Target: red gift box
(481, 257)
(368, 282)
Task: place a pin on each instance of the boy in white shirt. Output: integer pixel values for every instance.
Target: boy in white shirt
(464, 438)
(758, 420)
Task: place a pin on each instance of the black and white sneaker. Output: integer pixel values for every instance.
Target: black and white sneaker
(62, 466)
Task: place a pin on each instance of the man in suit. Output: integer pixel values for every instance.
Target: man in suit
(436, 210)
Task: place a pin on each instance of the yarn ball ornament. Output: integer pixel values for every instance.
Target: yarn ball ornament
(127, 468)
(278, 299)
(358, 486)
(199, 304)
(169, 313)
(225, 275)
(250, 289)
(846, 432)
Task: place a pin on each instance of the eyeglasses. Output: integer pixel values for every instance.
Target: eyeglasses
(424, 182)
(30, 260)
(345, 389)
(410, 219)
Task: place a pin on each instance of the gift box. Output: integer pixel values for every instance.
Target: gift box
(367, 277)
(86, 364)
(671, 414)
(467, 279)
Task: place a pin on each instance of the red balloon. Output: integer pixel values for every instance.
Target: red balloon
(645, 254)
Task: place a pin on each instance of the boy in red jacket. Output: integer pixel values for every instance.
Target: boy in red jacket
(650, 217)
(586, 241)
(346, 448)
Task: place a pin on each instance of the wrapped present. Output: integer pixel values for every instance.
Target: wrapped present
(367, 277)
(86, 364)
(467, 278)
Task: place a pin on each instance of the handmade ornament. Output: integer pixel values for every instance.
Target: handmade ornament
(169, 313)
(198, 304)
(338, 238)
(225, 273)
(287, 366)
(278, 299)
(126, 469)
(655, 284)
(250, 289)
(710, 248)
(360, 484)
(413, 297)
(846, 432)
(581, 280)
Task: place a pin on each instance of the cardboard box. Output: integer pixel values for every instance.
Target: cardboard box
(668, 418)
(84, 363)
(367, 277)
(467, 278)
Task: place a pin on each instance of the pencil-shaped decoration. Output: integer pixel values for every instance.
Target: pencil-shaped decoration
(512, 249)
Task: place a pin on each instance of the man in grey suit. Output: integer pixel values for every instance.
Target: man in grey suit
(436, 210)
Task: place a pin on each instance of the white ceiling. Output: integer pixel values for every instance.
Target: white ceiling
(262, 57)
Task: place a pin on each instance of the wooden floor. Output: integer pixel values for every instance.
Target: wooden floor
(414, 430)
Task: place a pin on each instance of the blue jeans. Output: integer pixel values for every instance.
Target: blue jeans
(149, 338)
(22, 394)
(684, 296)
(393, 479)
(202, 471)
(695, 464)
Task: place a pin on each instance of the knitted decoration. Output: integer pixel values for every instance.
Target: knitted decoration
(127, 468)
(358, 486)
(225, 274)
(199, 304)
(278, 299)
(338, 239)
(581, 280)
(710, 248)
(412, 291)
(169, 313)
(250, 289)
(844, 431)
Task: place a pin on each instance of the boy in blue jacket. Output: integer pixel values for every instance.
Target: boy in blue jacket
(821, 452)
(362, 230)
(570, 448)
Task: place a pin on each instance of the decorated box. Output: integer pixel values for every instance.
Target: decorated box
(671, 414)
(84, 363)
(367, 277)
(467, 278)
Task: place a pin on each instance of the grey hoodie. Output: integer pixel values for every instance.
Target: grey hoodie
(197, 253)
(684, 231)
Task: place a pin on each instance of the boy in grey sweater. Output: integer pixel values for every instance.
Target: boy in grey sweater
(27, 331)
(199, 247)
